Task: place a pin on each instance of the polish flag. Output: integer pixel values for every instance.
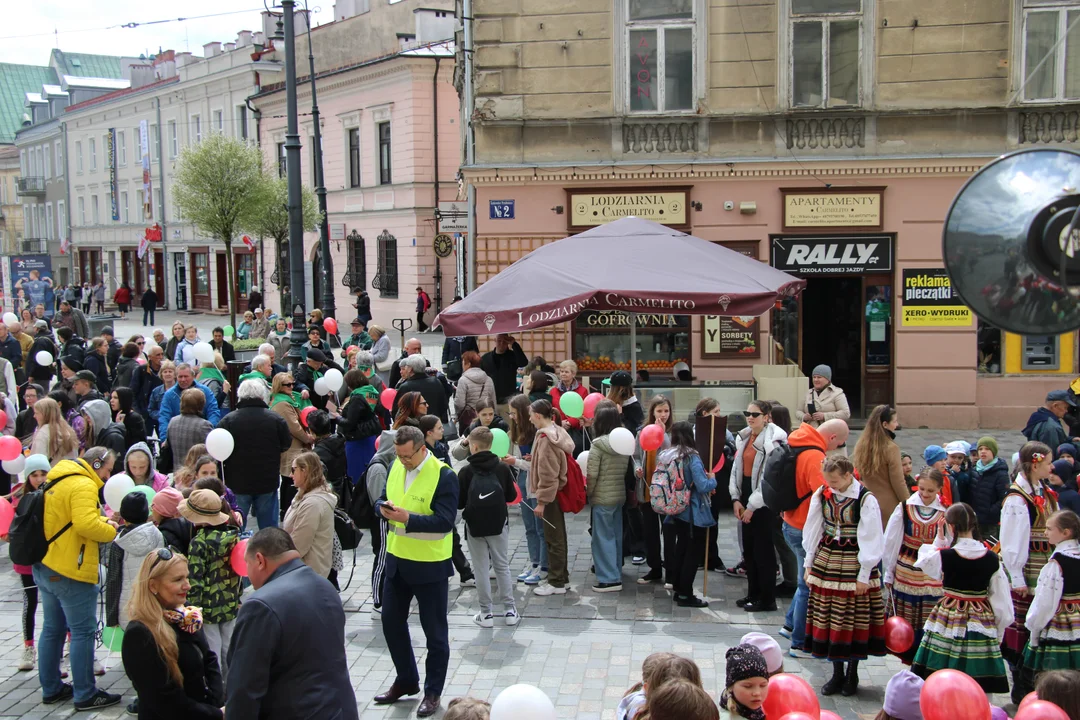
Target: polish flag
(248, 242)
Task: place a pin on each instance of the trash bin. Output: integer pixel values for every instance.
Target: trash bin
(96, 322)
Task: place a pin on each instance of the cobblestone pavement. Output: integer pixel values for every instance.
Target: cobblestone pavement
(582, 648)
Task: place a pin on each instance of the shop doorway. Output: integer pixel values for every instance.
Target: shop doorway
(832, 332)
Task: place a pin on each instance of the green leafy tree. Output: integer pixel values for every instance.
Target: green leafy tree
(273, 222)
(219, 186)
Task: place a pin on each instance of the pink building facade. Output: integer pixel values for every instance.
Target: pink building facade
(379, 121)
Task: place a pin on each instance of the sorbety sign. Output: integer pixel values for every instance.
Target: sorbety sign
(831, 208)
(833, 255)
(589, 209)
(732, 337)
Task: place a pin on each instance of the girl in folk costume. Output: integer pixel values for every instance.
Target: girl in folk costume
(1054, 615)
(1024, 547)
(845, 615)
(964, 629)
(917, 522)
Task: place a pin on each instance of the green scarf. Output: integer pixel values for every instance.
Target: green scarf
(366, 391)
(254, 375)
(212, 373)
(290, 398)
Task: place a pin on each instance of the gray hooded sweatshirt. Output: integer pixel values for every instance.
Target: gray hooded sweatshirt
(155, 479)
(377, 474)
(136, 543)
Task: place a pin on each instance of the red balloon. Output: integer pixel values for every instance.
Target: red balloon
(790, 694)
(590, 403)
(799, 716)
(899, 635)
(3, 419)
(386, 397)
(7, 514)
(377, 442)
(951, 694)
(830, 715)
(330, 325)
(652, 437)
(10, 447)
(1041, 710)
(237, 560)
(1028, 699)
(304, 414)
(719, 464)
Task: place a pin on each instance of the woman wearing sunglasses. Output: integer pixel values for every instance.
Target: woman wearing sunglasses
(286, 403)
(752, 445)
(165, 654)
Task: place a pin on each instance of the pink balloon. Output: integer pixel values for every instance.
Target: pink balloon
(899, 635)
(386, 397)
(830, 715)
(330, 325)
(719, 464)
(798, 716)
(7, 514)
(950, 694)
(10, 447)
(237, 560)
(791, 695)
(1041, 710)
(377, 442)
(305, 413)
(590, 403)
(3, 419)
(652, 437)
(1027, 700)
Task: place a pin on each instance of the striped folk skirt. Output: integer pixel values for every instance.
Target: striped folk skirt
(914, 594)
(1059, 642)
(960, 634)
(841, 625)
(1016, 635)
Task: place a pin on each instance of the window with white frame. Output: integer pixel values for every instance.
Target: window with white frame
(241, 122)
(46, 156)
(140, 197)
(58, 152)
(660, 55)
(174, 141)
(22, 163)
(78, 157)
(82, 210)
(825, 53)
(61, 219)
(106, 159)
(121, 148)
(125, 214)
(219, 121)
(48, 221)
(95, 216)
(196, 128)
(26, 220)
(826, 47)
(93, 155)
(155, 143)
(1051, 50)
(158, 207)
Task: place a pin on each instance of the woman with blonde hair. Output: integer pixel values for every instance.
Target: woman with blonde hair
(212, 375)
(54, 437)
(380, 350)
(286, 403)
(877, 456)
(244, 328)
(165, 653)
(184, 477)
(310, 518)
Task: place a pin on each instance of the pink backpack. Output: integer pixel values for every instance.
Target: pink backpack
(669, 493)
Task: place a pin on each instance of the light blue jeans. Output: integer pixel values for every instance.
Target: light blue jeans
(607, 542)
(266, 508)
(534, 529)
(66, 604)
(796, 612)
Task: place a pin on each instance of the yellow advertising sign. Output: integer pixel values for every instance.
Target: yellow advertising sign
(929, 300)
(937, 316)
(857, 209)
(591, 209)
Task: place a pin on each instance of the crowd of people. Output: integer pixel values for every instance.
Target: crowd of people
(979, 556)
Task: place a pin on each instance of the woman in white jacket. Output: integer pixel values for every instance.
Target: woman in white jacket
(752, 446)
(474, 385)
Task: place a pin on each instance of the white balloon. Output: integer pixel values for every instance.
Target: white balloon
(523, 702)
(14, 466)
(320, 386)
(220, 443)
(10, 317)
(334, 379)
(678, 368)
(44, 357)
(116, 488)
(583, 461)
(204, 352)
(622, 441)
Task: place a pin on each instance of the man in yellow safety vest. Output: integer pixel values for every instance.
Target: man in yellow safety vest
(420, 505)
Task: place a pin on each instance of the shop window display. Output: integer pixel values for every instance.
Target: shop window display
(602, 341)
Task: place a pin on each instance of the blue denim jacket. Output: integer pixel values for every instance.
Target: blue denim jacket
(699, 513)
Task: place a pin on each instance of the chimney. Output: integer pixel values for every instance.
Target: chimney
(258, 38)
(243, 38)
(184, 58)
(434, 25)
(142, 75)
(211, 49)
(229, 46)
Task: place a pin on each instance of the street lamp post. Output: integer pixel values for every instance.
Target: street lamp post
(292, 169)
(327, 306)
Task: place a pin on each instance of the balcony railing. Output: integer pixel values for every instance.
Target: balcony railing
(30, 186)
(38, 246)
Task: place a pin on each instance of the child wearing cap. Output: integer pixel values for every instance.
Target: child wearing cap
(1063, 481)
(958, 469)
(658, 668)
(137, 539)
(1066, 451)
(35, 471)
(215, 586)
(936, 457)
(769, 648)
(991, 483)
(165, 512)
(902, 697)
(746, 684)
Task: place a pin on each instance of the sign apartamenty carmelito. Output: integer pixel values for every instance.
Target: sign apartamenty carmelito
(589, 209)
(812, 210)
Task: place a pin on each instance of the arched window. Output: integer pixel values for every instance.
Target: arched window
(386, 275)
(356, 269)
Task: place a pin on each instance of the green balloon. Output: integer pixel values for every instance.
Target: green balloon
(500, 442)
(113, 638)
(146, 490)
(572, 405)
(229, 330)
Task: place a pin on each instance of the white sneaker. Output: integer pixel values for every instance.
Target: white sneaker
(512, 618)
(527, 572)
(29, 657)
(544, 589)
(484, 620)
(65, 668)
(99, 669)
(376, 612)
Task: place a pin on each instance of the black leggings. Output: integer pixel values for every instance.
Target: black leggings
(29, 607)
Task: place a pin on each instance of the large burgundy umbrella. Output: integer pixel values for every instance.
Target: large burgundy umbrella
(632, 265)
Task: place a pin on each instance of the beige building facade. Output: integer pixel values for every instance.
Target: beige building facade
(799, 132)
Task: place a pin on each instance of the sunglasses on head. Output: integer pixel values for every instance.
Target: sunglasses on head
(747, 413)
(163, 555)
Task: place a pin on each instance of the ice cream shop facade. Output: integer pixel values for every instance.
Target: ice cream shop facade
(878, 307)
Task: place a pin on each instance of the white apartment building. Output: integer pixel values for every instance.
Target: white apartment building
(175, 99)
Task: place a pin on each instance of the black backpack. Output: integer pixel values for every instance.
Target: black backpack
(27, 543)
(361, 507)
(485, 508)
(778, 478)
(347, 532)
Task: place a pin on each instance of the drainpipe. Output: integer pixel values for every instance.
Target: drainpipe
(435, 102)
(164, 228)
(470, 154)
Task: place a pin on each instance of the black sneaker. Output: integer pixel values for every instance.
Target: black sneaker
(783, 590)
(98, 700)
(653, 576)
(691, 601)
(133, 707)
(739, 571)
(66, 693)
(607, 587)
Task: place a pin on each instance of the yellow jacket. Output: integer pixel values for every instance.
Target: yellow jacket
(75, 499)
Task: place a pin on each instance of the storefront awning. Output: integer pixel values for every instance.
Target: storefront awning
(632, 265)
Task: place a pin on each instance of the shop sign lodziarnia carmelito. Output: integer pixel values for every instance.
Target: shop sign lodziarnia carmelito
(589, 208)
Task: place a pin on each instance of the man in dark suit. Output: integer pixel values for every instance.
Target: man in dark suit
(288, 644)
(420, 504)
